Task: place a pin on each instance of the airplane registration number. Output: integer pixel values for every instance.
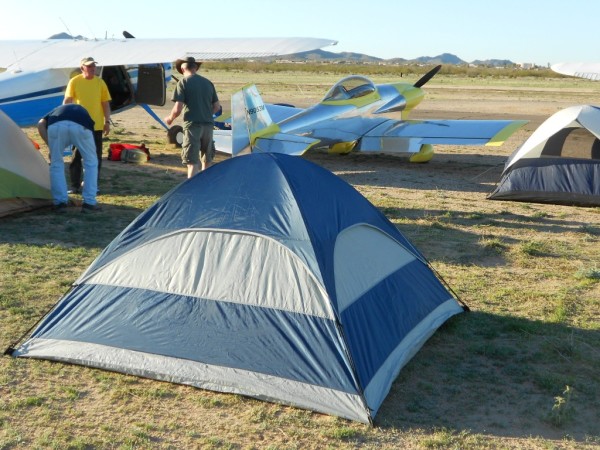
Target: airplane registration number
(256, 109)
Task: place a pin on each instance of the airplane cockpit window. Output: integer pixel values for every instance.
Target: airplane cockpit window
(349, 88)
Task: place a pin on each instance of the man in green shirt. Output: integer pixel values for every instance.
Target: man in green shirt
(197, 98)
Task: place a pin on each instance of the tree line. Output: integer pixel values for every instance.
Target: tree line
(376, 69)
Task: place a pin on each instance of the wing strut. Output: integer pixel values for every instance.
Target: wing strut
(153, 115)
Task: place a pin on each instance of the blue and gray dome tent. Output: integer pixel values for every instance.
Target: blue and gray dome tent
(559, 163)
(266, 276)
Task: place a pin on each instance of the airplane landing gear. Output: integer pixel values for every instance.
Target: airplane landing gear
(175, 135)
(423, 155)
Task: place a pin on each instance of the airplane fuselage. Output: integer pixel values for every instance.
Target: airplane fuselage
(347, 109)
(26, 96)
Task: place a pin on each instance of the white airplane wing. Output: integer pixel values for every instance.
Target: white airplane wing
(375, 131)
(449, 132)
(67, 53)
(591, 71)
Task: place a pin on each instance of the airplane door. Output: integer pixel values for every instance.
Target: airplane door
(119, 85)
(151, 85)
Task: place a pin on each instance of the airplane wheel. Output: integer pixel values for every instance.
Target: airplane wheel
(423, 155)
(175, 135)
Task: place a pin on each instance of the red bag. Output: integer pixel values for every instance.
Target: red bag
(114, 150)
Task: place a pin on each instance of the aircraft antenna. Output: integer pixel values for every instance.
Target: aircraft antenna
(67, 28)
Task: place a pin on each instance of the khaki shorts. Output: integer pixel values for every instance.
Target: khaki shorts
(197, 143)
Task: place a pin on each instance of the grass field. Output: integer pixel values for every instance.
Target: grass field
(521, 370)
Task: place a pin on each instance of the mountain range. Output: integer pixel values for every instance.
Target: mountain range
(360, 58)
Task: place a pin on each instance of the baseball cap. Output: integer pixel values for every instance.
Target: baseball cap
(88, 61)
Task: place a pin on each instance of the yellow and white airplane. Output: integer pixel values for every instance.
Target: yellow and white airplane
(136, 71)
(353, 116)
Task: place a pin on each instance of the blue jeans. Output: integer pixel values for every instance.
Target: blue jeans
(76, 169)
(60, 135)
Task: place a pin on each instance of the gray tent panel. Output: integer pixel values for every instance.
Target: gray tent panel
(574, 182)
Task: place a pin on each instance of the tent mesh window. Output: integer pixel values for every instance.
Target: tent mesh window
(573, 142)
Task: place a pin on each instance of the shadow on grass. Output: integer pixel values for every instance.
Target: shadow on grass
(71, 229)
(479, 238)
(500, 375)
(126, 190)
(503, 219)
(457, 172)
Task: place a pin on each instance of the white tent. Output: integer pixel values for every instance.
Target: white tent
(24, 173)
(559, 163)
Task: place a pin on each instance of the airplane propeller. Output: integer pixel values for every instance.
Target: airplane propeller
(428, 76)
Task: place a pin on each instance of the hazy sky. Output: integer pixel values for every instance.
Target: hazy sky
(538, 31)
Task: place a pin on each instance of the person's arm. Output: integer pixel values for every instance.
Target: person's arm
(106, 108)
(175, 112)
(69, 93)
(43, 130)
(216, 107)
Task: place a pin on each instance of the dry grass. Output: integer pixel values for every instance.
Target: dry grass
(494, 378)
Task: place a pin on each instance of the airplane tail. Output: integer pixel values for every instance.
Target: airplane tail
(249, 120)
(254, 130)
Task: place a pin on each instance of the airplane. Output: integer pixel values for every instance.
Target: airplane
(136, 71)
(352, 117)
(591, 71)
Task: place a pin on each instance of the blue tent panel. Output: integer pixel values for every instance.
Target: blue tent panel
(293, 346)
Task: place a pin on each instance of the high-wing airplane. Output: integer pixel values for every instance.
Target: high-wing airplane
(352, 117)
(135, 70)
(591, 71)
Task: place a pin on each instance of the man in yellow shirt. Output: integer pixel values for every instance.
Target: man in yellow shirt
(91, 92)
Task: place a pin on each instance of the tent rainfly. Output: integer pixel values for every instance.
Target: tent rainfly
(24, 173)
(559, 163)
(266, 276)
